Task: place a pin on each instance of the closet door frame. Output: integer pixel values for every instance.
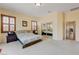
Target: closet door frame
(73, 23)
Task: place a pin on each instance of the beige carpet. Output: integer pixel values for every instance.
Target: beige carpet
(46, 47)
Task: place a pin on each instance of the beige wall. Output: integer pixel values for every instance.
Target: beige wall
(19, 18)
(57, 22)
(60, 24)
(52, 17)
(56, 18)
(73, 16)
(46, 19)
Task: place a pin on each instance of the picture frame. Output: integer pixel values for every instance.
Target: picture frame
(24, 23)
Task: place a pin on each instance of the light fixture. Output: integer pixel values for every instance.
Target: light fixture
(37, 4)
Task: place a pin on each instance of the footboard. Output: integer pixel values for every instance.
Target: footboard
(31, 43)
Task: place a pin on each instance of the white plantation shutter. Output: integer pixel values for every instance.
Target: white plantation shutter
(5, 19)
(34, 25)
(5, 27)
(11, 27)
(8, 23)
(12, 20)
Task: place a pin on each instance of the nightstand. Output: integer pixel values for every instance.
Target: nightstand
(11, 37)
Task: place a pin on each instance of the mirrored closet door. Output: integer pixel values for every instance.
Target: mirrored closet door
(70, 30)
(47, 29)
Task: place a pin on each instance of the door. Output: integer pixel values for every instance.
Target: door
(70, 30)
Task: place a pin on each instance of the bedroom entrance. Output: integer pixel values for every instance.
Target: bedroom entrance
(34, 27)
(70, 30)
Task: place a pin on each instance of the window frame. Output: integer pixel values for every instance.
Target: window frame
(2, 15)
(36, 25)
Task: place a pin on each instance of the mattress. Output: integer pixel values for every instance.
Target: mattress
(27, 37)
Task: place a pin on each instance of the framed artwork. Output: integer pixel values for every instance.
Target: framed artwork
(24, 23)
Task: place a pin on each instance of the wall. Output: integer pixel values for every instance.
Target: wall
(19, 18)
(60, 25)
(73, 16)
(57, 19)
(57, 22)
(52, 17)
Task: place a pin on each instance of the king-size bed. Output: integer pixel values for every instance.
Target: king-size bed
(27, 38)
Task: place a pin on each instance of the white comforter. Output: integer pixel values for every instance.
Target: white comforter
(28, 37)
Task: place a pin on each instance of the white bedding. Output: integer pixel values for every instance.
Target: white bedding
(27, 37)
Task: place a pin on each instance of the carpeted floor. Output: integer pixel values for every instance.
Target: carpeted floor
(46, 47)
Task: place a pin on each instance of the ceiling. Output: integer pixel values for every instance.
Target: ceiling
(44, 9)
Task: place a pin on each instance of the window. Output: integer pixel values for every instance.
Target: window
(34, 25)
(8, 23)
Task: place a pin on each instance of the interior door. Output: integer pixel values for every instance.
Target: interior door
(70, 30)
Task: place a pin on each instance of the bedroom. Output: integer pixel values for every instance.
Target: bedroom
(50, 26)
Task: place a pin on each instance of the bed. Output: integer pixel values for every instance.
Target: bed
(27, 38)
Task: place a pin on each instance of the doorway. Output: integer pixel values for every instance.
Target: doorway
(70, 30)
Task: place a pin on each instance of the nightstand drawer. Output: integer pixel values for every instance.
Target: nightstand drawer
(11, 38)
